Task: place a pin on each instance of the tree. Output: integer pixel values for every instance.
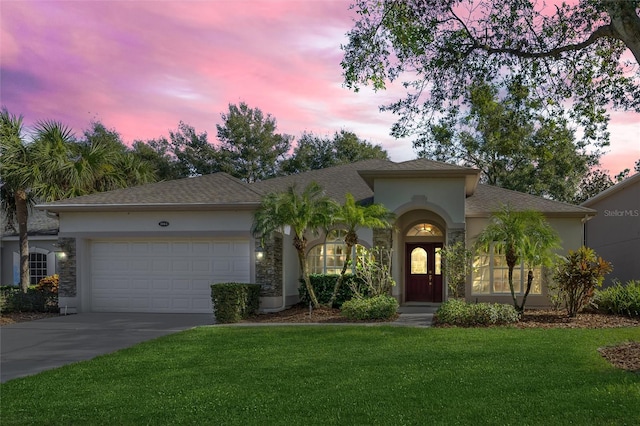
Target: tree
(352, 216)
(306, 211)
(251, 149)
(55, 165)
(522, 236)
(313, 152)
(571, 53)
(16, 159)
(511, 142)
(597, 180)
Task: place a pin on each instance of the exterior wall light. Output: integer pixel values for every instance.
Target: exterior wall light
(259, 253)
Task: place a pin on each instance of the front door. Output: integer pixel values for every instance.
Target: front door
(423, 272)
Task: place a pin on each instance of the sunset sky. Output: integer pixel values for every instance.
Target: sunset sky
(140, 67)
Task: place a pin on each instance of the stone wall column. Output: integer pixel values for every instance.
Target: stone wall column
(67, 270)
(269, 269)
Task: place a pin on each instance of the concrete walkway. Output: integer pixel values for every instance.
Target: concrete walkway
(28, 348)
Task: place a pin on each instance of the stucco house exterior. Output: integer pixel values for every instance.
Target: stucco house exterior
(158, 247)
(615, 232)
(43, 250)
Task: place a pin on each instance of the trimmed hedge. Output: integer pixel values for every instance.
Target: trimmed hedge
(233, 302)
(459, 313)
(372, 308)
(619, 299)
(323, 286)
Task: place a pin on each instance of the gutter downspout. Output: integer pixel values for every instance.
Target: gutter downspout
(584, 221)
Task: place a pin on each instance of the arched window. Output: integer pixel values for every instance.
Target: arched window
(425, 229)
(329, 257)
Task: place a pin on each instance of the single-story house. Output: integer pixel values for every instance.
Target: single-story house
(615, 232)
(158, 247)
(43, 250)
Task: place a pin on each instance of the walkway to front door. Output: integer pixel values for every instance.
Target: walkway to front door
(423, 276)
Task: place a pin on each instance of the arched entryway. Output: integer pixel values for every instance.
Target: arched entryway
(422, 235)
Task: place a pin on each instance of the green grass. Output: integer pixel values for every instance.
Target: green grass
(347, 375)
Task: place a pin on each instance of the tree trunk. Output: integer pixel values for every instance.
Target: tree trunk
(526, 293)
(626, 24)
(22, 214)
(300, 244)
(511, 259)
(340, 279)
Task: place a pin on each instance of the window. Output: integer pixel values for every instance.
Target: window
(37, 267)
(329, 257)
(424, 230)
(491, 276)
(42, 263)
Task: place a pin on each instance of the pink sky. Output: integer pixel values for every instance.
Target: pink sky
(142, 66)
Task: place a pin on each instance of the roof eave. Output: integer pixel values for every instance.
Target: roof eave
(57, 208)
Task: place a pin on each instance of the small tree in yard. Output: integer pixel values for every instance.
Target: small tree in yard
(352, 216)
(308, 210)
(577, 276)
(375, 302)
(523, 236)
(374, 270)
(457, 261)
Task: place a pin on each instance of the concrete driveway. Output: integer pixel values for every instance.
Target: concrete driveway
(31, 347)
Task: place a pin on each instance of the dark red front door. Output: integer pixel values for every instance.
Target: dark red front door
(423, 272)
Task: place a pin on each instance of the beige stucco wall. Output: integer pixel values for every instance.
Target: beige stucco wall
(147, 223)
(443, 196)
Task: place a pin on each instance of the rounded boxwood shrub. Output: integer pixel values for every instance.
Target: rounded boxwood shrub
(619, 299)
(459, 313)
(373, 308)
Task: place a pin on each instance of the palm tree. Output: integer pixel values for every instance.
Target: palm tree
(352, 216)
(521, 236)
(16, 157)
(54, 166)
(304, 212)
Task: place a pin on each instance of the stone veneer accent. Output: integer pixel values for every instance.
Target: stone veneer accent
(382, 238)
(67, 268)
(453, 236)
(269, 269)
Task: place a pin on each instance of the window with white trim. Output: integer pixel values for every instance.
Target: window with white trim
(42, 263)
(329, 257)
(490, 275)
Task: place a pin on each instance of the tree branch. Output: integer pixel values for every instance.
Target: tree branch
(602, 32)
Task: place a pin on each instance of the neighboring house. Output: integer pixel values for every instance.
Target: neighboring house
(43, 235)
(158, 247)
(615, 232)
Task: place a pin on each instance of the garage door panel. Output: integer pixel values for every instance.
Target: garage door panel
(163, 275)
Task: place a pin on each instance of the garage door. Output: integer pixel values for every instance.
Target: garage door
(163, 275)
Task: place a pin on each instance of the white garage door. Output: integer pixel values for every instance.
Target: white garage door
(163, 275)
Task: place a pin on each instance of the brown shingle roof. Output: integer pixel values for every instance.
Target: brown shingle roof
(487, 199)
(219, 189)
(337, 181)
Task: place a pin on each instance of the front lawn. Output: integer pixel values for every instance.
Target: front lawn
(347, 375)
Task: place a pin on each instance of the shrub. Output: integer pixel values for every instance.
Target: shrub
(459, 313)
(49, 284)
(13, 299)
(374, 270)
(619, 299)
(233, 302)
(577, 276)
(323, 286)
(372, 308)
